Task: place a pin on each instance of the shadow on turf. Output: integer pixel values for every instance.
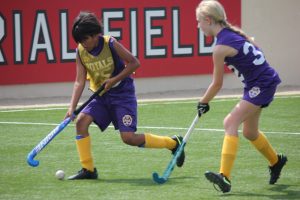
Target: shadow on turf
(146, 181)
(285, 193)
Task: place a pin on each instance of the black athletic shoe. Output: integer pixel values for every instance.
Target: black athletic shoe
(276, 169)
(220, 180)
(84, 174)
(180, 159)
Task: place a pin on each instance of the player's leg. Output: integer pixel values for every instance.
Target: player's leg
(232, 122)
(149, 140)
(95, 111)
(83, 144)
(171, 143)
(258, 139)
(83, 141)
(242, 111)
(261, 143)
(124, 118)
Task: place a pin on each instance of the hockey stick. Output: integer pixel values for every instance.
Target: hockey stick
(42, 144)
(162, 179)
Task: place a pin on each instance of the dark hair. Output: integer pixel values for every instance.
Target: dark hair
(86, 24)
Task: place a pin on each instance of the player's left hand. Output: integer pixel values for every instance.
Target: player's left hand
(109, 83)
(202, 108)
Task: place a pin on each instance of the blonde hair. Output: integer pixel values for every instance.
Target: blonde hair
(214, 10)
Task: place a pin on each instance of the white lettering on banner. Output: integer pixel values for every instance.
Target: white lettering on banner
(133, 32)
(66, 54)
(18, 54)
(204, 48)
(2, 36)
(179, 50)
(153, 32)
(110, 15)
(41, 39)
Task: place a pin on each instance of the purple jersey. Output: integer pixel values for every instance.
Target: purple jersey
(249, 64)
(251, 67)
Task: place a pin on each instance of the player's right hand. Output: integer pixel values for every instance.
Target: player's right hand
(202, 108)
(70, 114)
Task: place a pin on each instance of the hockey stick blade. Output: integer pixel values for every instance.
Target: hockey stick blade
(40, 146)
(158, 179)
(162, 179)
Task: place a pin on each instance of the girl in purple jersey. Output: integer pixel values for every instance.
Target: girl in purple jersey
(241, 55)
(104, 61)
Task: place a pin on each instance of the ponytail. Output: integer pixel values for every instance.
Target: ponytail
(214, 10)
(237, 30)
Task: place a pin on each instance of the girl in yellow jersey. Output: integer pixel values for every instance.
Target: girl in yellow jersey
(103, 60)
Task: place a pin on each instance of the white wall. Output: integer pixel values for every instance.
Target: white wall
(275, 24)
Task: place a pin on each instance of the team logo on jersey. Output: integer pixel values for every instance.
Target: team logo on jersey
(127, 120)
(254, 92)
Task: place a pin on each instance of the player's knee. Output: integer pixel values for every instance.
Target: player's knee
(128, 138)
(82, 125)
(250, 134)
(79, 123)
(246, 133)
(230, 125)
(227, 122)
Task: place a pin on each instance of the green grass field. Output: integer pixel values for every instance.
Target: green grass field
(126, 172)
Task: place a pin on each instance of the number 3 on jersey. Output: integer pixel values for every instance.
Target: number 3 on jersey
(248, 48)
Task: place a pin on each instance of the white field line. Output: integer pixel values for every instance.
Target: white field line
(147, 127)
(140, 103)
(31, 109)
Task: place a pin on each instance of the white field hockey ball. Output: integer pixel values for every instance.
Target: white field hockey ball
(60, 174)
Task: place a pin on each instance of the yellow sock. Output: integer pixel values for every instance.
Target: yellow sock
(84, 151)
(229, 151)
(155, 141)
(264, 147)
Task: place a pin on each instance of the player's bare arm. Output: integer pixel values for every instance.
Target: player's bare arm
(132, 63)
(219, 54)
(79, 85)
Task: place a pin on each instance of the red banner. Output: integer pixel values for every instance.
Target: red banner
(36, 44)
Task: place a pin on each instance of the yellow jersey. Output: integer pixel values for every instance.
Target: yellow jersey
(99, 67)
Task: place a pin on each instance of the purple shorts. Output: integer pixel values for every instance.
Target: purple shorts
(262, 91)
(120, 110)
(260, 96)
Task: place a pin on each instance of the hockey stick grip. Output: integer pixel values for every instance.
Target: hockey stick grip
(78, 110)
